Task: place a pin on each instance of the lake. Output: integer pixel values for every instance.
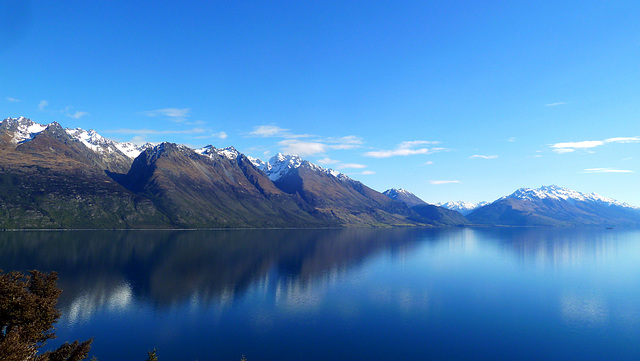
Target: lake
(344, 294)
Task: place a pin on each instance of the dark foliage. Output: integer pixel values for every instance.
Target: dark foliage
(27, 314)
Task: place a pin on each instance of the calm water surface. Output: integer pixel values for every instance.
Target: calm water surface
(354, 294)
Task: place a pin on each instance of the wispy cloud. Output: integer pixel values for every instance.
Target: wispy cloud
(512, 139)
(368, 172)
(13, 100)
(483, 156)
(302, 148)
(555, 104)
(351, 166)
(178, 115)
(219, 135)
(77, 114)
(606, 170)
(327, 161)
(429, 162)
(156, 132)
(269, 131)
(339, 165)
(43, 104)
(568, 147)
(438, 182)
(406, 148)
(342, 143)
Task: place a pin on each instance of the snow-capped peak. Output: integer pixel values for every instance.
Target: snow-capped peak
(281, 164)
(210, 150)
(22, 129)
(257, 162)
(556, 192)
(99, 144)
(462, 207)
(394, 192)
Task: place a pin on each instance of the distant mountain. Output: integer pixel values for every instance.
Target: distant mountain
(213, 187)
(336, 198)
(51, 177)
(462, 207)
(403, 195)
(116, 157)
(50, 180)
(432, 214)
(555, 206)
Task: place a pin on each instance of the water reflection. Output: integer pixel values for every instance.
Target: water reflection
(346, 293)
(108, 269)
(558, 246)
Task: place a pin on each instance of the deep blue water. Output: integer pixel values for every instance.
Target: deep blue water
(352, 294)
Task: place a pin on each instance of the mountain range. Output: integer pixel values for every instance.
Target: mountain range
(52, 177)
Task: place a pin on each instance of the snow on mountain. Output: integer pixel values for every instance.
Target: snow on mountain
(23, 129)
(281, 164)
(394, 193)
(556, 192)
(462, 207)
(209, 150)
(403, 195)
(100, 144)
(259, 163)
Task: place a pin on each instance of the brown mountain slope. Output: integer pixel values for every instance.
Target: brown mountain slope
(53, 181)
(344, 202)
(213, 191)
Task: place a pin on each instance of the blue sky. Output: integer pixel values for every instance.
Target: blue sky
(452, 100)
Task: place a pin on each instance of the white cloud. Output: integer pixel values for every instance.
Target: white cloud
(221, 135)
(444, 181)
(155, 132)
(429, 162)
(579, 145)
(77, 115)
(623, 140)
(404, 149)
(563, 150)
(175, 114)
(342, 143)
(43, 104)
(351, 166)
(349, 139)
(555, 104)
(512, 139)
(268, 131)
(13, 100)
(368, 172)
(568, 147)
(483, 156)
(606, 170)
(301, 148)
(327, 161)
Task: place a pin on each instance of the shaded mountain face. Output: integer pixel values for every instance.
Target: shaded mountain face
(49, 180)
(213, 188)
(335, 198)
(404, 196)
(440, 216)
(555, 206)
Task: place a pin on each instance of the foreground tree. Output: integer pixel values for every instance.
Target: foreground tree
(27, 314)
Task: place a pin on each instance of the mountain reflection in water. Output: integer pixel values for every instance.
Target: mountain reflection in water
(344, 294)
(109, 268)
